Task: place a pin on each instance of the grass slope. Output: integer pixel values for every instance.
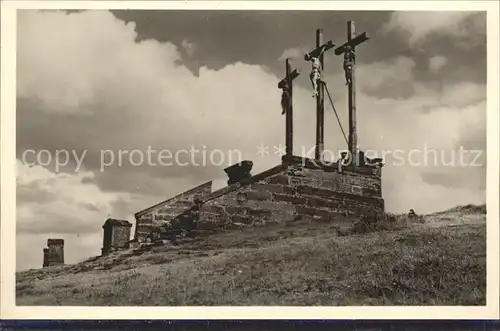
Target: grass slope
(441, 262)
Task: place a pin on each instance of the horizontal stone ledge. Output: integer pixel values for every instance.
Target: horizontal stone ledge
(208, 217)
(273, 188)
(274, 206)
(323, 203)
(167, 216)
(232, 211)
(257, 195)
(213, 208)
(372, 192)
(279, 179)
(259, 212)
(295, 200)
(146, 227)
(324, 165)
(311, 211)
(330, 194)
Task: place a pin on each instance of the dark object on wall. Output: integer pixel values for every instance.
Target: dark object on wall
(239, 171)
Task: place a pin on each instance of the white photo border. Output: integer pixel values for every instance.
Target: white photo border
(9, 310)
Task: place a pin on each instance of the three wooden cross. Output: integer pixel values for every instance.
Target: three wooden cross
(315, 56)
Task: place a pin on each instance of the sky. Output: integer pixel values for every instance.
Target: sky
(100, 84)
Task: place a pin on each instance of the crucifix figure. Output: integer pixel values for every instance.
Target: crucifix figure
(285, 98)
(316, 68)
(349, 59)
(316, 58)
(348, 50)
(286, 85)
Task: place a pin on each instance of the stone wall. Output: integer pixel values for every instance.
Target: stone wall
(151, 220)
(294, 190)
(297, 189)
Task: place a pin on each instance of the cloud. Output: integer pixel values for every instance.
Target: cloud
(67, 206)
(94, 86)
(463, 94)
(188, 47)
(142, 96)
(57, 206)
(418, 25)
(59, 202)
(392, 77)
(130, 95)
(292, 53)
(436, 63)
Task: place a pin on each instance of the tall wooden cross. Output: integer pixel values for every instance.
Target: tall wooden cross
(348, 50)
(286, 84)
(317, 53)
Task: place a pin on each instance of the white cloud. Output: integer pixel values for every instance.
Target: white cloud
(292, 53)
(58, 206)
(419, 25)
(188, 47)
(66, 206)
(131, 94)
(436, 63)
(463, 94)
(105, 73)
(386, 74)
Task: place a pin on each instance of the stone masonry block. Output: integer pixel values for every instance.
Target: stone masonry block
(296, 181)
(236, 210)
(242, 219)
(312, 181)
(290, 190)
(279, 179)
(259, 212)
(273, 206)
(258, 195)
(322, 203)
(283, 216)
(273, 188)
(296, 200)
(214, 209)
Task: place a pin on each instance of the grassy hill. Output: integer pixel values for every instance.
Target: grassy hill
(439, 262)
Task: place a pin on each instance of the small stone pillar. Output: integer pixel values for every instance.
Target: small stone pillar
(360, 159)
(45, 257)
(55, 253)
(239, 171)
(116, 235)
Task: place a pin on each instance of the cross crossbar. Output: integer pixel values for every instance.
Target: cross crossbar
(316, 52)
(294, 74)
(353, 43)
